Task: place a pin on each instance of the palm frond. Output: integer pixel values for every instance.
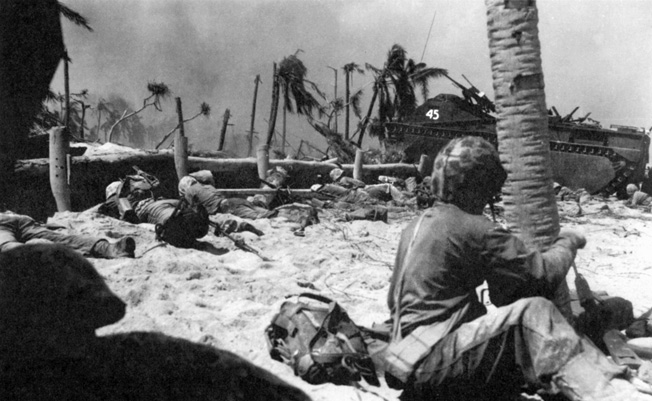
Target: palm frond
(52, 97)
(158, 89)
(315, 88)
(421, 77)
(354, 100)
(73, 16)
(377, 71)
(350, 67)
(292, 73)
(205, 109)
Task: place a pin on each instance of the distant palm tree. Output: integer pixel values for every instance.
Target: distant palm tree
(158, 91)
(291, 78)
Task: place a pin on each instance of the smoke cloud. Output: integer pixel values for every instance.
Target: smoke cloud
(595, 54)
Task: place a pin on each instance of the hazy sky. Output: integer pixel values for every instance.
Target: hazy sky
(596, 53)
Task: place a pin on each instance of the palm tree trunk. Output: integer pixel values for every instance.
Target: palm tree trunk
(285, 117)
(83, 117)
(99, 119)
(66, 85)
(253, 116)
(348, 106)
(365, 122)
(274, 110)
(522, 126)
(225, 124)
(180, 146)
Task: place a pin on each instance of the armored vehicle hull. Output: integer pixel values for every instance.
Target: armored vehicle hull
(583, 155)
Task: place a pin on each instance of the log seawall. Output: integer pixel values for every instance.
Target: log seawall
(89, 177)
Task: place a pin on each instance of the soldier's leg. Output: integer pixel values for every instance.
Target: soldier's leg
(528, 340)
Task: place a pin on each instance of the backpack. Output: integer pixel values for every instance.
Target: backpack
(320, 342)
(185, 225)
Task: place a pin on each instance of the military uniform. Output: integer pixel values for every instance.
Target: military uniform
(444, 342)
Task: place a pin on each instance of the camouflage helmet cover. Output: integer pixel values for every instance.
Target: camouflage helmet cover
(185, 183)
(467, 163)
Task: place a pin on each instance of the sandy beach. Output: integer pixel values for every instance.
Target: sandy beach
(225, 297)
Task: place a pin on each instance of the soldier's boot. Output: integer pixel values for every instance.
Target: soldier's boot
(123, 248)
(590, 376)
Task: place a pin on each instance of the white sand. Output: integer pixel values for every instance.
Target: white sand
(225, 297)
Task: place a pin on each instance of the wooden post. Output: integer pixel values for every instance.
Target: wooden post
(180, 146)
(253, 116)
(262, 159)
(225, 124)
(425, 166)
(357, 166)
(59, 168)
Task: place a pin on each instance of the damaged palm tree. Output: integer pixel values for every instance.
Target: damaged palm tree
(522, 128)
(291, 77)
(204, 110)
(158, 91)
(337, 146)
(348, 78)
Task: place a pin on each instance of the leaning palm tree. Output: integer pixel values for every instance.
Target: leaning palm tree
(290, 76)
(522, 126)
(158, 91)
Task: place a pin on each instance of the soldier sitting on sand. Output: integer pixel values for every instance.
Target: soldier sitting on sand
(445, 343)
(636, 197)
(18, 229)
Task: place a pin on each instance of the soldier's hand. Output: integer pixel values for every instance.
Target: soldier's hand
(577, 239)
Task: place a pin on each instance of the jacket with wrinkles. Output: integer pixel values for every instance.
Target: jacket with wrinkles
(453, 253)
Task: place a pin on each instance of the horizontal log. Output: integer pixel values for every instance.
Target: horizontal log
(300, 193)
(89, 176)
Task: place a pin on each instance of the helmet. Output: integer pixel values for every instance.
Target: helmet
(185, 183)
(467, 170)
(631, 188)
(112, 189)
(204, 177)
(336, 173)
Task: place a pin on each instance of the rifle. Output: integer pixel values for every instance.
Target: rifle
(151, 180)
(480, 98)
(238, 242)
